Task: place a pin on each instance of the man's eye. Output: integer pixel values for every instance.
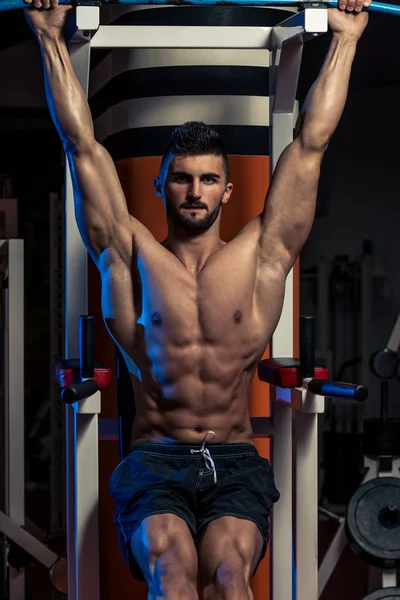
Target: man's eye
(209, 179)
(180, 179)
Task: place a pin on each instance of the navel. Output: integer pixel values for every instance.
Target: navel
(156, 320)
(237, 317)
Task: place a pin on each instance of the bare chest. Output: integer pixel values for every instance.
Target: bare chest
(186, 310)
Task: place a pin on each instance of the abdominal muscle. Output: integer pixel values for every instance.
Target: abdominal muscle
(186, 409)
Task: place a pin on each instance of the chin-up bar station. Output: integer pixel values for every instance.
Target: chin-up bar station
(298, 387)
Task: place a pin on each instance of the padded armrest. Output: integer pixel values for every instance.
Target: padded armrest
(285, 372)
(68, 373)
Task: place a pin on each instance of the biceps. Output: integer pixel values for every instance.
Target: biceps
(117, 300)
(290, 204)
(100, 204)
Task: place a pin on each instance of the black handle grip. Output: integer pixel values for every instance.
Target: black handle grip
(79, 391)
(337, 389)
(307, 346)
(86, 346)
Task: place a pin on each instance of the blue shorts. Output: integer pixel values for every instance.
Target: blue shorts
(177, 479)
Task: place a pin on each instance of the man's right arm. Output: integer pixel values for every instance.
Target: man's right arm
(100, 206)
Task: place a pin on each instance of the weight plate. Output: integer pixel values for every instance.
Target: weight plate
(383, 363)
(390, 593)
(373, 522)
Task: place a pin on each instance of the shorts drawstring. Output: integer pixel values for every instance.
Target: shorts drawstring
(206, 455)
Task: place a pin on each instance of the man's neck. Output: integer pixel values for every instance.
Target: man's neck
(193, 251)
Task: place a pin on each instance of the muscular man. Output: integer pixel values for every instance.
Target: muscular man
(192, 317)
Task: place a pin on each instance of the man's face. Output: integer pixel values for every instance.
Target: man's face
(194, 189)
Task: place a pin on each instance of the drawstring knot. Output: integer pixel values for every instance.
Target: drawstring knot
(205, 453)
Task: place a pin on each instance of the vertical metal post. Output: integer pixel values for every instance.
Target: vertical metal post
(82, 434)
(281, 531)
(286, 50)
(306, 439)
(14, 396)
(283, 83)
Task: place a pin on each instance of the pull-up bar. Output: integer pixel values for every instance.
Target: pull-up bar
(374, 6)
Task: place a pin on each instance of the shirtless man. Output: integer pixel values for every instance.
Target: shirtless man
(193, 316)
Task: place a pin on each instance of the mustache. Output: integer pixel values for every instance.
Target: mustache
(195, 204)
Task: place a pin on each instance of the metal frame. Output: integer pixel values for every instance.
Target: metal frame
(285, 60)
(12, 253)
(81, 428)
(28, 542)
(306, 407)
(298, 28)
(286, 40)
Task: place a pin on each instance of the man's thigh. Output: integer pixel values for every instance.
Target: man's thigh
(244, 490)
(148, 484)
(232, 543)
(165, 538)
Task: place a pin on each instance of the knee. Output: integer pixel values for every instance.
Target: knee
(172, 579)
(229, 582)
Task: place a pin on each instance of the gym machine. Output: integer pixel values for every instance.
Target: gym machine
(371, 525)
(285, 43)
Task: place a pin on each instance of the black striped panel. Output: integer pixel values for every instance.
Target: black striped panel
(210, 16)
(181, 81)
(151, 141)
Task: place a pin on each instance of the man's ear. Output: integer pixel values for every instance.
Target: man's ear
(228, 192)
(158, 188)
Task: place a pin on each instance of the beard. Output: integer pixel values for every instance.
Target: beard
(191, 224)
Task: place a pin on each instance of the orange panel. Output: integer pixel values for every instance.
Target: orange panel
(250, 176)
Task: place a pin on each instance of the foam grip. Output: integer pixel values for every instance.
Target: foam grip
(68, 373)
(286, 372)
(86, 345)
(79, 391)
(337, 389)
(307, 346)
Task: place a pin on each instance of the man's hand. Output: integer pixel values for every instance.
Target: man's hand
(46, 17)
(349, 20)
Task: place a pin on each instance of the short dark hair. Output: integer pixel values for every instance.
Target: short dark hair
(195, 138)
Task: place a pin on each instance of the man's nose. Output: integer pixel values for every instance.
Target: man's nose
(194, 190)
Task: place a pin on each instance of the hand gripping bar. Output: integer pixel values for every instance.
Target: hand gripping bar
(381, 7)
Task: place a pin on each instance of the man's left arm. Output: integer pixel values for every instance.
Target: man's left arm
(290, 204)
